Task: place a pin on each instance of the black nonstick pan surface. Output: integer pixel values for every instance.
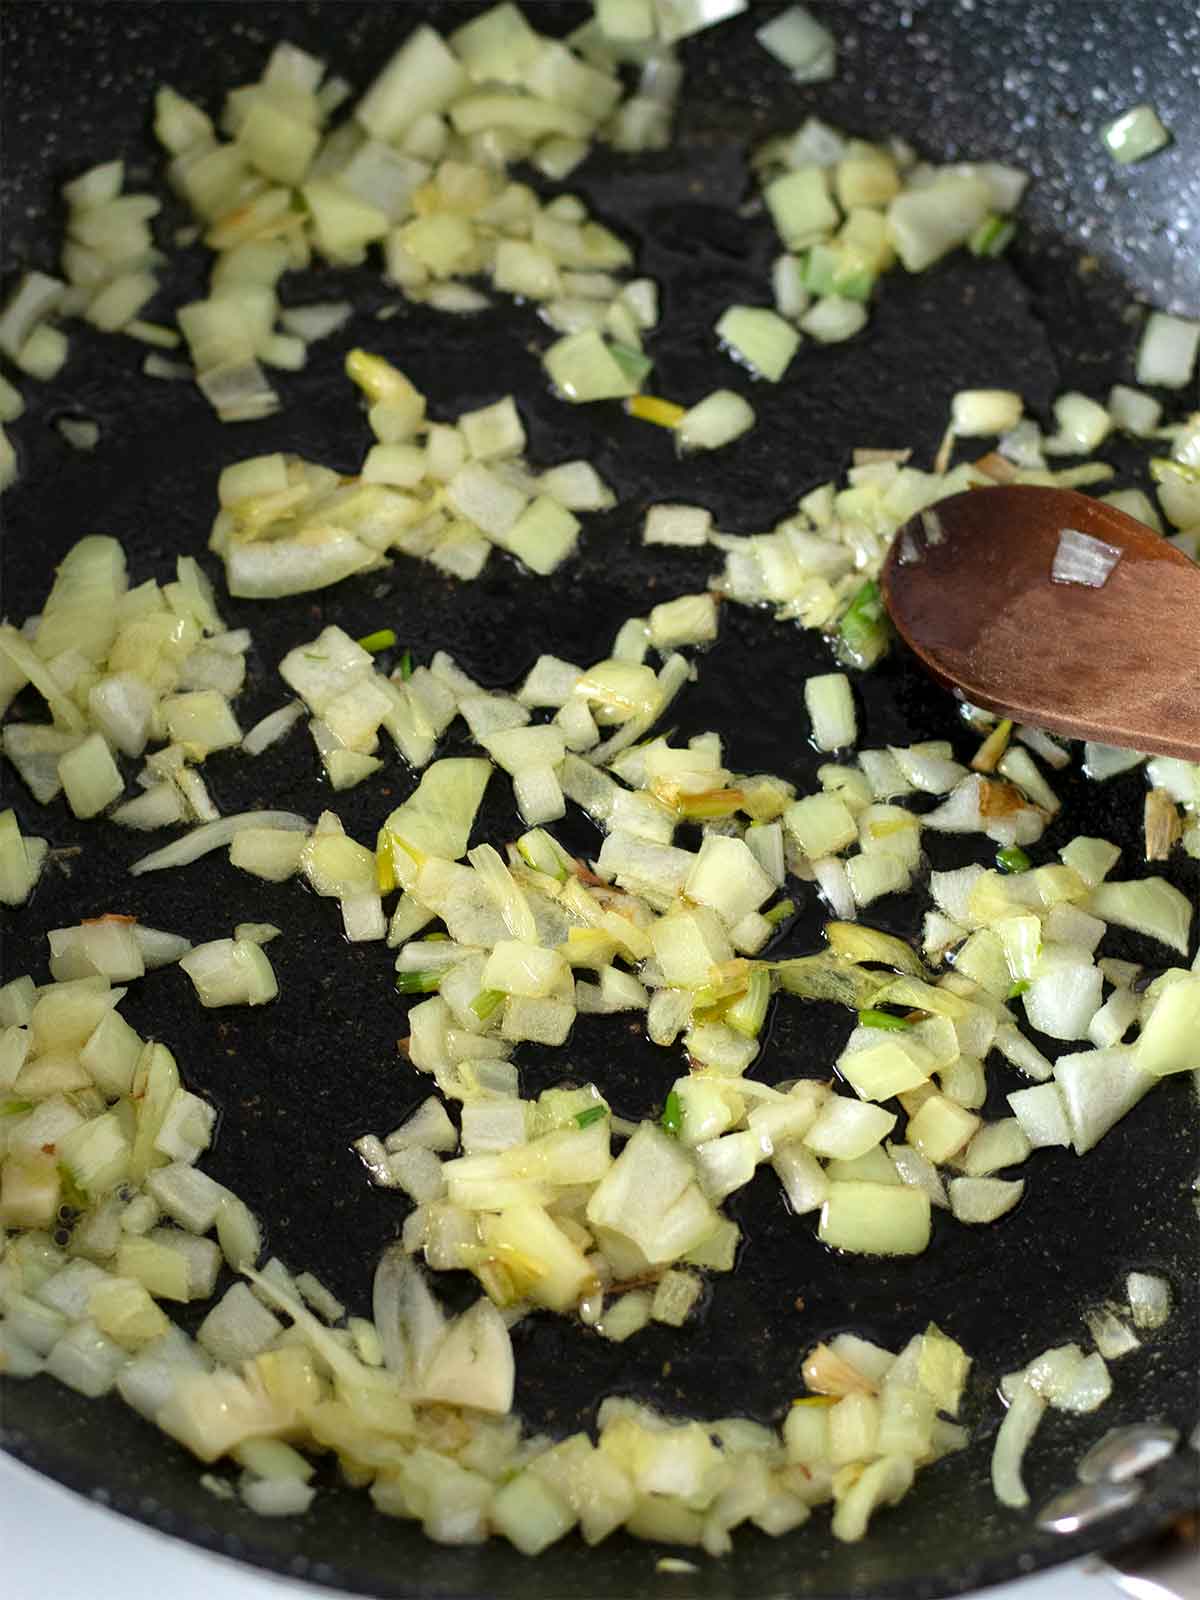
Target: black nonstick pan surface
(297, 1081)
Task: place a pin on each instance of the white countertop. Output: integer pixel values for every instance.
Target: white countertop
(56, 1544)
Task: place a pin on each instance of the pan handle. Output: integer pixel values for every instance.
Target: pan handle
(1164, 1568)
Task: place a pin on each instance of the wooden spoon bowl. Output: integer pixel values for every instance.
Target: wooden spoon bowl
(969, 587)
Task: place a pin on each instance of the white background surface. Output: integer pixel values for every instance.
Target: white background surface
(56, 1546)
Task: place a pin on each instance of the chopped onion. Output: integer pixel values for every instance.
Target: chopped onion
(985, 412)
(797, 40)
(35, 297)
(317, 321)
(759, 339)
(1150, 905)
(215, 836)
(1149, 1299)
(679, 19)
(677, 525)
(1025, 1411)
(715, 421)
(1167, 353)
(1135, 134)
(238, 392)
(272, 728)
(1101, 761)
(833, 319)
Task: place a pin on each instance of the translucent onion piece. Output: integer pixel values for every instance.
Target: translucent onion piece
(272, 728)
(215, 836)
(1025, 1412)
(1135, 135)
(1084, 560)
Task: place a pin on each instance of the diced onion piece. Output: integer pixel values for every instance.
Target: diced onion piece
(1135, 134)
(792, 298)
(230, 972)
(914, 1169)
(821, 825)
(44, 354)
(925, 223)
(877, 873)
(1019, 768)
(215, 836)
(1168, 1040)
(277, 1497)
(884, 1482)
(90, 777)
(201, 721)
(831, 708)
(978, 1200)
(1167, 353)
(1149, 1299)
(797, 40)
(677, 525)
(11, 402)
(715, 421)
(1101, 761)
(422, 77)
(106, 946)
(1111, 1336)
(317, 321)
(833, 319)
(35, 297)
(583, 367)
(679, 19)
(1082, 425)
(120, 300)
(759, 339)
(1043, 745)
(1042, 1113)
(238, 392)
(691, 619)
(272, 728)
(985, 412)
(846, 1129)
(1148, 905)
(875, 1219)
(1099, 1087)
(21, 860)
(834, 884)
(940, 1128)
(1132, 411)
(882, 1070)
(801, 206)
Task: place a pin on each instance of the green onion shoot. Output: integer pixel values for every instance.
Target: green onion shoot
(382, 639)
(672, 1115)
(418, 982)
(992, 237)
(486, 1001)
(863, 633)
(749, 1011)
(1013, 859)
(871, 1018)
(779, 913)
(632, 363)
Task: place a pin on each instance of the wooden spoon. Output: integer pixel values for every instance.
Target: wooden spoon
(968, 584)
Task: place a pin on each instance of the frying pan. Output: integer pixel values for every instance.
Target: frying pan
(296, 1082)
